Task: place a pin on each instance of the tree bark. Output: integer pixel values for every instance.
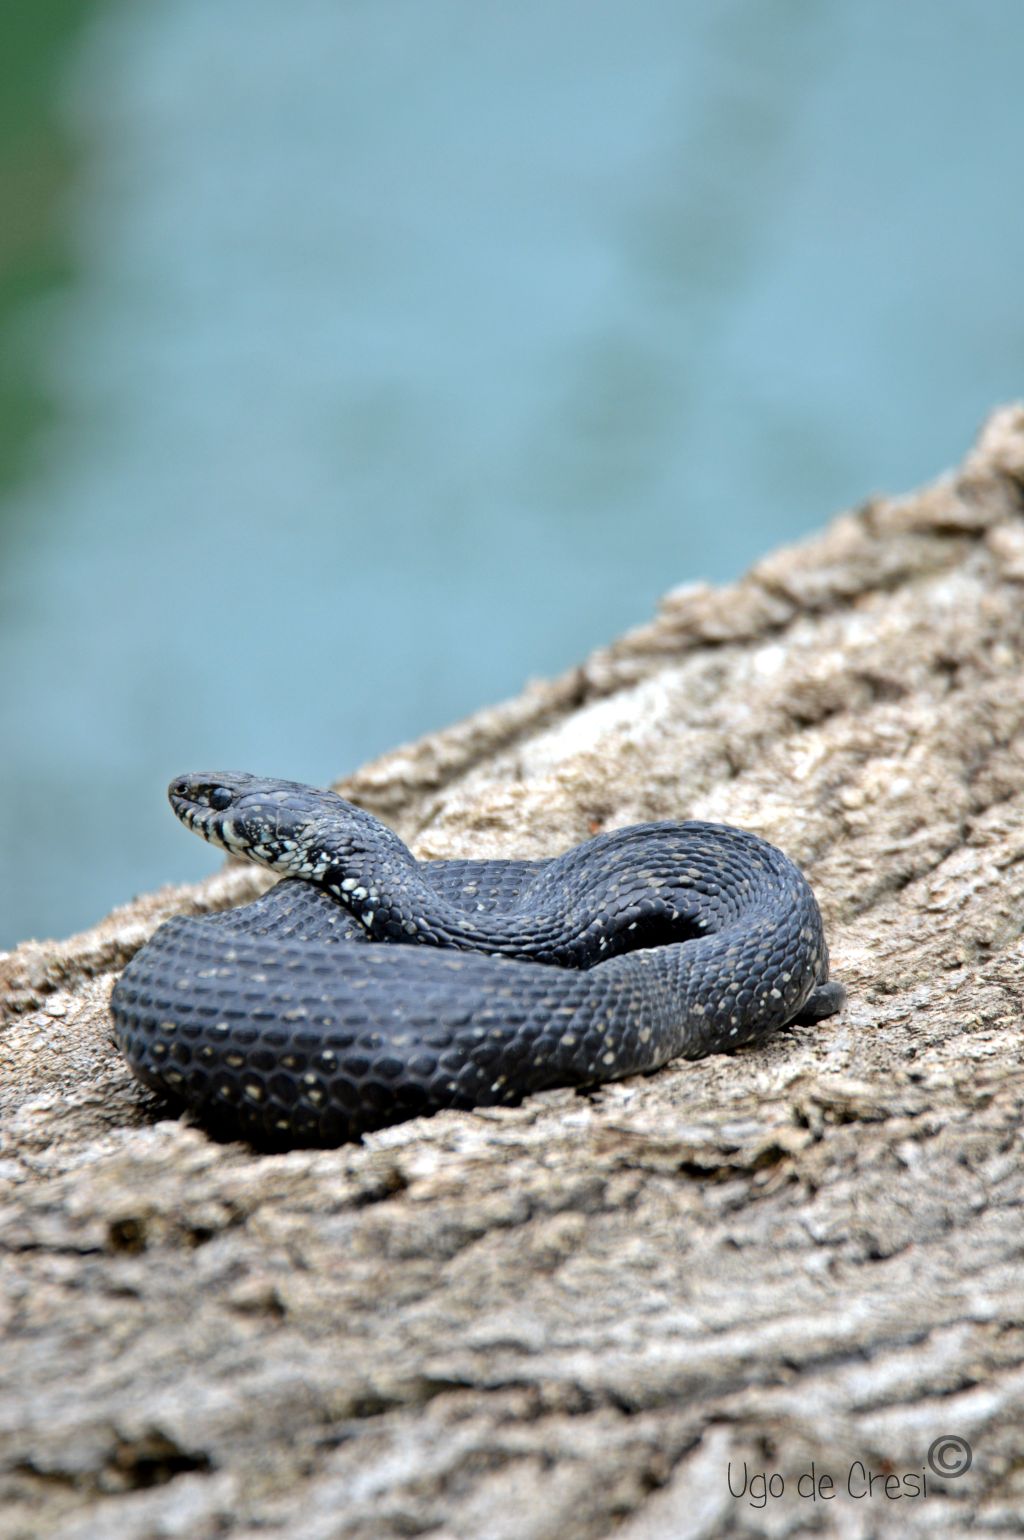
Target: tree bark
(619, 1312)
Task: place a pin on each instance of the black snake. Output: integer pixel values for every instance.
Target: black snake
(510, 977)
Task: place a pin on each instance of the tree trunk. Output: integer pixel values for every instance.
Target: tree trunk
(744, 1296)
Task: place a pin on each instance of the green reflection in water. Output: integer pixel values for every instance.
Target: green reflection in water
(37, 164)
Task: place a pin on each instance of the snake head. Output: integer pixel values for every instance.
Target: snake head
(273, 822)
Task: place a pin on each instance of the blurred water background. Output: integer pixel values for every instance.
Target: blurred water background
(360, 359)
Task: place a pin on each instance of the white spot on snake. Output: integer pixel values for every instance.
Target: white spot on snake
(254, 1092)
(348, 885)
(367, 918)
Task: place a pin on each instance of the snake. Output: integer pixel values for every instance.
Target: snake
(367, 987)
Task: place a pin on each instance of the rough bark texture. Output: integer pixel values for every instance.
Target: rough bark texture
(572, 1319)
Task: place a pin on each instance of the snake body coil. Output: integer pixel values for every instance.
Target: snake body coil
(504, 977)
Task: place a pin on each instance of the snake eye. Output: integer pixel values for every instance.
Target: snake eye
(220, 798)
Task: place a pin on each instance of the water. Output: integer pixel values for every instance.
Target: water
(364, 360)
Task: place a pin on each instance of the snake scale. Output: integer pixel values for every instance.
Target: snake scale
(277, 1023)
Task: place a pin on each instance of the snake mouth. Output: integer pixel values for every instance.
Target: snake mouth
(214, 827)
(202, 803)
(242, 814)
(181, 808)
(192, 813)
(208, 792)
